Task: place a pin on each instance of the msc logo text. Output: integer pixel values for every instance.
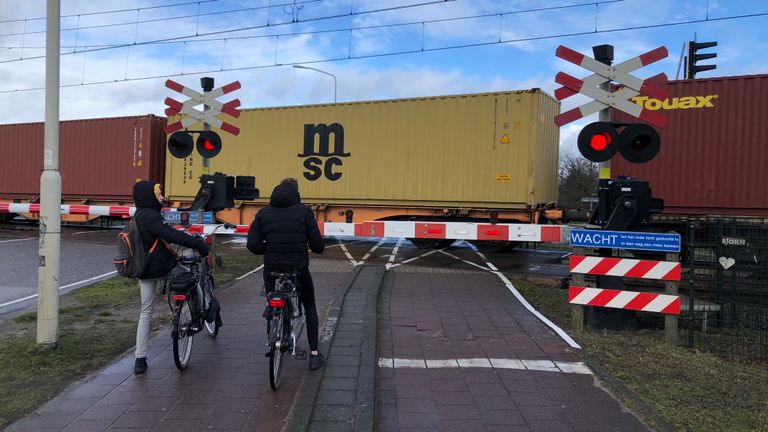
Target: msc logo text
(320, 161)
(685, 102)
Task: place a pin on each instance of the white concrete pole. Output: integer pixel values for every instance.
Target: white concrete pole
(50, 190)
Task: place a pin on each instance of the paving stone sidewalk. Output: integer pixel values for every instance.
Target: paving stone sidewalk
(226, 386)
(460, 353)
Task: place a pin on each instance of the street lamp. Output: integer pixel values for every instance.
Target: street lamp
(322, 72)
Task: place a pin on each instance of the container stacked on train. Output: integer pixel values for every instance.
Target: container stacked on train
(714, 151)
(99, 159)
(490, 150)
(476, 151)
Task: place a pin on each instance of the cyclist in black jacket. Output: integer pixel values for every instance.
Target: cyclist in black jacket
(281, 231)
(148, 218)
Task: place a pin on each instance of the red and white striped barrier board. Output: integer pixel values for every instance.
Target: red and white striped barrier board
(75, 209)
(602, 73)
(644, 269)
(207, 98)
(639, 301)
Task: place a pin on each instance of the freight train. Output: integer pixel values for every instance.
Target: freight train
(489, 157)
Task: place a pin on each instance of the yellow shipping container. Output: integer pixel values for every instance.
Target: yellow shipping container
(479, 151)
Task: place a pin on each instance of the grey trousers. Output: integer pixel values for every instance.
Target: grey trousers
(149, 289)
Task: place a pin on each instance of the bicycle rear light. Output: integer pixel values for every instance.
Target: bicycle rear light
(276, 302)
(179, 297)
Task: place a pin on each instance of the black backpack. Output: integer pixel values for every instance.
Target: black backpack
(131, 257)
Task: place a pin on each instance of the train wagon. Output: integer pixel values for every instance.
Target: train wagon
(713, 152)
(474, 157)
(99, 160)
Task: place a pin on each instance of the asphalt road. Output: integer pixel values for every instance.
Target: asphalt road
(86, 257)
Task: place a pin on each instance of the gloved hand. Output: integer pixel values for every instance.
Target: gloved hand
(202, 249)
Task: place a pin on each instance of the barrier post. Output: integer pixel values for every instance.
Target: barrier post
(670, 320)
(577, 311)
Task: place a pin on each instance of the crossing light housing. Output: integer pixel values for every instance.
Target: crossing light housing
(180, 144)
(694, 57)
(637, 142)
(208, 144)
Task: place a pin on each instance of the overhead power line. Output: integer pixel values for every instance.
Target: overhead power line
(421, 50)
(212, 33)
(197, 15)
(107, 12)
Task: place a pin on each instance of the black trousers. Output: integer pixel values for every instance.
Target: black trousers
(306, 297)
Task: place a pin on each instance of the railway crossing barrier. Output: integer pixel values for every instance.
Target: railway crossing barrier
(393, 229)
(667, 271)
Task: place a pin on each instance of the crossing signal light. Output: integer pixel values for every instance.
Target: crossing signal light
(598, 141)
(637, 142)
(180, 144)
(208, 144)
(694, 57)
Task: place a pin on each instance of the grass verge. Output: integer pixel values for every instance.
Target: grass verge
(690, 390)
(96, 324)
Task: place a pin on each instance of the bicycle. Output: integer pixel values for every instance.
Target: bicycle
(285, 322)
(192, 300)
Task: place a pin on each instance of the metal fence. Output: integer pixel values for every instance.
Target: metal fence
(724, 308)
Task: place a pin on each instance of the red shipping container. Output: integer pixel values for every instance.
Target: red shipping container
(714, 151)
(99, 159)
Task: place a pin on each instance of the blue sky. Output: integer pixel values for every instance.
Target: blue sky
(301, 33)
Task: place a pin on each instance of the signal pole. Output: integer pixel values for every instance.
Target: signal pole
(50, 191)
(207, 84)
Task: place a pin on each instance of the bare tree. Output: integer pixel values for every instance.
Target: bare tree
(577, 179)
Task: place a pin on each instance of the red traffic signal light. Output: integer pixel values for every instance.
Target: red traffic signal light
(208, 144)
(180, 144)
(598, 141)
(637, 142)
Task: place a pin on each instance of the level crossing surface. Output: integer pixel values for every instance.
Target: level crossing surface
(456, 349)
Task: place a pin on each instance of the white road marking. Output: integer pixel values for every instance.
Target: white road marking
(495, 363)
(373, 249)
(560, 332)
(409, 260)
(75, 284)
(250, 272)
(463, 260)
(346, 252)
(394, 252)
(18, 240)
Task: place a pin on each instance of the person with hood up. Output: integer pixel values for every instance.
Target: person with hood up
(148, 218)
(281, 232)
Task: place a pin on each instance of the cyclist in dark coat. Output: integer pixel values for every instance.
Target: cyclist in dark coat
(149, 220)
(281, 231)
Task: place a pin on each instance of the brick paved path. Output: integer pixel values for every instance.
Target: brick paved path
(469, 318)
(226, 386)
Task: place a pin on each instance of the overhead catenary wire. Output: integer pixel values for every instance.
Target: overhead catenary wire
(107, 12)
(165, 19)
(180, 38)
(401, 52)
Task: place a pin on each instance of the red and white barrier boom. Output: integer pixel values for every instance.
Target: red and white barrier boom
(393, 229)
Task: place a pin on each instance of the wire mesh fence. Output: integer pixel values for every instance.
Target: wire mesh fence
(725, 305)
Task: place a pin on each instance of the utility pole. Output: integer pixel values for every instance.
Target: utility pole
(50, 191)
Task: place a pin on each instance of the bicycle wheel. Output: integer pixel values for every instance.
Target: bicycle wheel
(182, 335)
(210, 327)
(275, 353)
